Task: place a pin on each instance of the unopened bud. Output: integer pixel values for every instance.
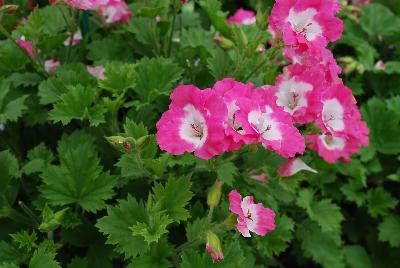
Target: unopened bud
(122, 144)
(213, 247)
(223, 42)
(215, 194)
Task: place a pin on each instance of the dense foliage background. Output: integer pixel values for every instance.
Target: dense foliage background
(69, 198)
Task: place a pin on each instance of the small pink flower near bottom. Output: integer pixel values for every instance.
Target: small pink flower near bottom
(251, 217)
(293, 166)
(51, 65)
(213, 246)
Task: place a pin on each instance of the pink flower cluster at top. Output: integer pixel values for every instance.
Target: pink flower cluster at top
(230, 114)
(310, 88)
(113, 11)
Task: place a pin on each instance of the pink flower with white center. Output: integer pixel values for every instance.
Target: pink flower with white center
(193, 123)
(267, 123)
(82, 4)
(297, 91)
(251, 217)
(51, 65)
(114, 11)
(332, 148)
(293, 166)
(27, 46)
(338, 113)
(312, 22)
(316, 57)
(96, 71)
(232, 91)
(242, 17)
(76, 38)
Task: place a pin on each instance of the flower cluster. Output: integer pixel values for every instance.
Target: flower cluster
(310, 88)
(211, 121)
(113, 11)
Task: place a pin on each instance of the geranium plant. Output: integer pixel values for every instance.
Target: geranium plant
(169, 133)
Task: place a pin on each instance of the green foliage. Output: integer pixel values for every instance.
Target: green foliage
(324, 212)
(116, 226)
(84, 184)
(79, 178)
(389, 230)
(78, 103)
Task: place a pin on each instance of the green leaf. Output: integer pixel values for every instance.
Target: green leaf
(146, 32)
(66, 75)
(8, 265)
(116, 227)
(10, 109)
(25, 79)
(39, 157)
(227, 172)
(79, 178)
(110, 48)
(278, 240)
(357, 257)
(10, 253)
(119, 78)
(153, 229)
(172, 198)
(164, 70)
(25, 240)
(198, 228)
(78, 103)
(380, 202)
(135, 130)
(156, 257)
(384, 126)
(220, 64)
(392, 67)
(43, 259)
(216, 16)
(323, 247)
(353, 192)
(129, 166)
(389, 230)
(197, 37)
(8, 169)
(12, 57)
(378, 20)
(324, 212)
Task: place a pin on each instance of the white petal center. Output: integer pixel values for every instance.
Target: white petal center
(303, 23)
(332, 143)
(264, 124)
(292, 95)
(332, 115)
(194, 127)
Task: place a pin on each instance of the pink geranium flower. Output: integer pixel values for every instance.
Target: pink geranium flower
(243, 16)
(251, 217)
(297, 92)
(232, 92)
(82, 4)
(51, 65)
(339, 114)
(267, 123)
(293, 166)
(312, 22)
(114, 11)
(315, 57)
(27, 46)
(193, 123)
(76, 38)
(332, 148)
(96, 71)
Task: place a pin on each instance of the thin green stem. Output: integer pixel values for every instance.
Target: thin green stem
(171, 35)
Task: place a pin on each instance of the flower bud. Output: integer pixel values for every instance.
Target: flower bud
(213, 247)
(215, 194)
(124, 145)
(223, 42)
